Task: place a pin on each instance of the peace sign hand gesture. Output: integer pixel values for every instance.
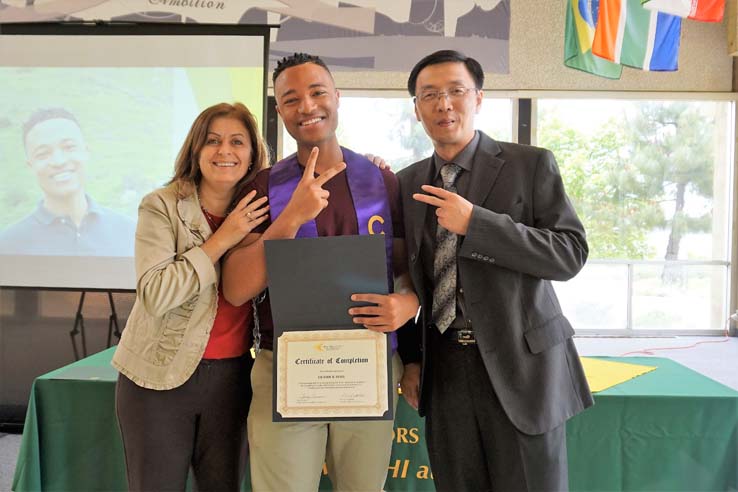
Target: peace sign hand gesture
(453, 211)
(309, 198)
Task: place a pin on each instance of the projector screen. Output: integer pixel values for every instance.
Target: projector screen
(91, 119)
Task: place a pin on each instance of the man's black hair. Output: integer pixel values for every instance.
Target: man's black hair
(445, 56)
(44, 114)
(297, 59)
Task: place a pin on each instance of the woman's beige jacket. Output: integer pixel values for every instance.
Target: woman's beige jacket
(176, 291)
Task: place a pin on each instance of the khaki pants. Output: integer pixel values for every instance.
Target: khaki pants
(289, 456)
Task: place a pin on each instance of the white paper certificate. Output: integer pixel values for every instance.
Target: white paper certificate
(332, 373)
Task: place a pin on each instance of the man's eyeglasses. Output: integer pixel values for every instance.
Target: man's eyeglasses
(454, 94)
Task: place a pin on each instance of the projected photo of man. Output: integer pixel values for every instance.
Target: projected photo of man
(67, 221)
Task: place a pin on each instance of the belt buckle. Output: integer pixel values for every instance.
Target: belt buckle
(466, 337)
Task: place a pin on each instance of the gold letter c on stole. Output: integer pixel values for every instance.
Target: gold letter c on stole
(372, 220)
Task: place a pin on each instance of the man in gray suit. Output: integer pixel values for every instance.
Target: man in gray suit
(488, 226)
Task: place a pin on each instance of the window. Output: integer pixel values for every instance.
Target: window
(651, 182)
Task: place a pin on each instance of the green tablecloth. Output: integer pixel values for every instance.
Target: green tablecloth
(70, 438)
(670, 429)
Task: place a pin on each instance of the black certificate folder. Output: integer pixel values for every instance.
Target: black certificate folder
(311, 281)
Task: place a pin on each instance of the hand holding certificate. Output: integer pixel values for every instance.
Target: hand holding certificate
(327, 367)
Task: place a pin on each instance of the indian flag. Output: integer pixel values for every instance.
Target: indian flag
(700, 10)
(631, 35)
(581, 18)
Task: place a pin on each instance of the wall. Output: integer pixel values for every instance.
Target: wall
(536, 59)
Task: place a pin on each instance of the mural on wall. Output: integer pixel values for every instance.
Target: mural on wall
(360, 35)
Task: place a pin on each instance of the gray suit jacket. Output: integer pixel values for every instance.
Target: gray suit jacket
(523, 233)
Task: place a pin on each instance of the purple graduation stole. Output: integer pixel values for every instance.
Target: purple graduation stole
(368, 192)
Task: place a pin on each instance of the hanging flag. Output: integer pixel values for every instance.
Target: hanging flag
(631, 35)
(700, 10)
(580, 29)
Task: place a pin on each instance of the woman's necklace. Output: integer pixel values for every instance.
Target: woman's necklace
(213, 220)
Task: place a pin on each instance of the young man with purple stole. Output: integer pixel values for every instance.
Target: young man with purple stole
(322, 190)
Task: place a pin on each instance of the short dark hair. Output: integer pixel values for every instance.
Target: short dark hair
(297, 59)
(45, 114)
(446, 56)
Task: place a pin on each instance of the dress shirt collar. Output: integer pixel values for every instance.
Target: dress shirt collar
(463, 159)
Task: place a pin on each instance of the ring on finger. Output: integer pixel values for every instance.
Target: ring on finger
(248, 214)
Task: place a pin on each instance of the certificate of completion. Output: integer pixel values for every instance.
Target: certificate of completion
(325, 366)
(325, 374)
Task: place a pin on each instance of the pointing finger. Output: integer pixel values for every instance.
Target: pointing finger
(430, 200)
(310, 165)
(439, 192)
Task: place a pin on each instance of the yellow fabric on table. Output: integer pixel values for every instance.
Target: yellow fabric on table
(602, 374)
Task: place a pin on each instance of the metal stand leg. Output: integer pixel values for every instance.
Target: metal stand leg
(112, 320)
(79, 328)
